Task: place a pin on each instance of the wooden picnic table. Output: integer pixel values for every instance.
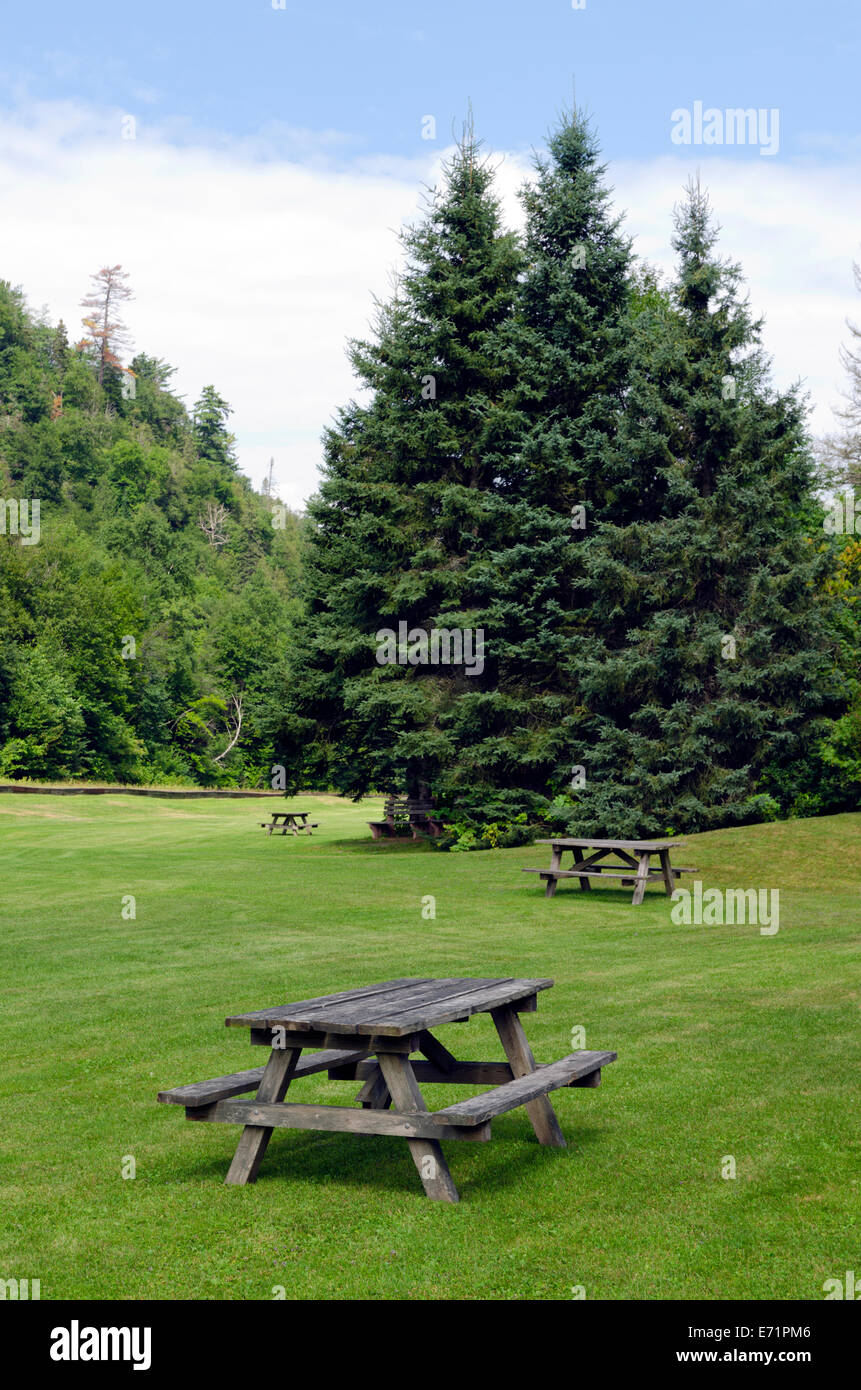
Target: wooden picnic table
(631, 864)
(415, 814)
(370, 1035)
(292, 821)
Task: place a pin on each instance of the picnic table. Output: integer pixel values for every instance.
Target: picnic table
(402, 813)
(632, 863)
(370, 1035)
(292, 821)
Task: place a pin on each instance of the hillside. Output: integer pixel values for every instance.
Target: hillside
(146, 590)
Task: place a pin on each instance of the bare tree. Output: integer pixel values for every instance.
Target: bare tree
(211, 522)
(839, 454)
(233, 721)
(105, 332)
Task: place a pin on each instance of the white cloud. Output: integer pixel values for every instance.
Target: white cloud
(252, 269)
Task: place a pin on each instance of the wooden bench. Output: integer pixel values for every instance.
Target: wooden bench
(627, 878)
(582, 1066)
(404, 813)
(223, 1087)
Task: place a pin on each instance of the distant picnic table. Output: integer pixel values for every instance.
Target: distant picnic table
(628, 860)
(370, 1035)
(402, 813)
(292, 822)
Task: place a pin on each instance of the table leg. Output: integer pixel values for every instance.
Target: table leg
(642, 879)
(669, 882)
(427, 1154)
(254, 1139)
(516, 1047)
(555, 860)
(581, 864)
(375, 1094)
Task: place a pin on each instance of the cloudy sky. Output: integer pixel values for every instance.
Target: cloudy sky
(249, 163)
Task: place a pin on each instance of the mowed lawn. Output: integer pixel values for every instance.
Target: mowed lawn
(730, 1043)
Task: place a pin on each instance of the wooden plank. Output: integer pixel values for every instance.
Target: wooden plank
(367, 1016)
(417, 1128)
(593, 873)
(458, 1006)
(219, 1088)
(555, 861)
(527, 1088)
(464, 1074)
(405, 1011)
(283, 1013)
(588, 861)
(375, 1094)
(222, 1087)
(516, 1047)
(426, 1152)
(341, 1042)
(432, 1048)
(527, 1005)
(636, 846)
(669, 881)
(255, 1138)
(641, 881)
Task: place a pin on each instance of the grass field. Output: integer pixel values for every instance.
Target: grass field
(729, 1042)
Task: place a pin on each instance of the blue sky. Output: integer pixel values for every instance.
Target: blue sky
(371, 70)
(275, 153)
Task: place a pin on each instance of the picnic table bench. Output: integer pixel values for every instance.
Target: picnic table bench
(402, 813)
(631, 864)
(370, 1035)
(293, 822)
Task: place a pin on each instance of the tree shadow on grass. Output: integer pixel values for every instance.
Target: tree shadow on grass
(369, 846)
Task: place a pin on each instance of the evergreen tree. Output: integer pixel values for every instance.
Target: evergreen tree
(214, 441)
(568, 343)
(406, 523)
(705, 661)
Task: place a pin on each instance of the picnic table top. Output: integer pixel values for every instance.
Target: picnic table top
(589, 842)
(276, 814)
(393, 1008)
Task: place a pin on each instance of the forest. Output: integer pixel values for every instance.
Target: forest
(150, 623)
(554, 447)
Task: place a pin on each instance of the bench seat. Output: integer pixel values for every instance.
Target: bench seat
(223, 1087)
(630, 874)
(589, 873)
(512, 1094)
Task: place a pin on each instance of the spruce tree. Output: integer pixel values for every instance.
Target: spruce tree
(568, 343)
(705, 663)
(458, 511)
(404, 526)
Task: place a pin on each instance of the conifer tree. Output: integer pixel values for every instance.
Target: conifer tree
(569, 343)
(705, 660)
(405, 525)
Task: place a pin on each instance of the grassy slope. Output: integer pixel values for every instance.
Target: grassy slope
(729, 1043)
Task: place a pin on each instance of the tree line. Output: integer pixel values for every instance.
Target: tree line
(144, 637)
(557, 455)
(592, 469)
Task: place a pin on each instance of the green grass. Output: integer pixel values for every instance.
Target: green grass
(729, 1042)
